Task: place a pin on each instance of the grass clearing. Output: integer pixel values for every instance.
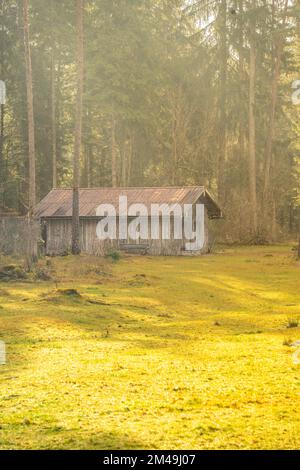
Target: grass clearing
(153, 353)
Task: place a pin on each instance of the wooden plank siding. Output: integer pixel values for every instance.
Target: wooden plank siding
(19, 236)
(59, 239)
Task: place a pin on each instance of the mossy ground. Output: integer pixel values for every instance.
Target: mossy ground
(161, 353)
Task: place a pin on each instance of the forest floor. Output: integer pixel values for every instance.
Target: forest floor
(153, 353)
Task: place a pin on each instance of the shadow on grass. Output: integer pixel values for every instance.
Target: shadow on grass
(34, 437)
(182, 304)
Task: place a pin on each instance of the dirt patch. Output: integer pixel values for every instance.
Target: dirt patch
(69, 292)
(59, 295)
(4, 293)
(139, 280)
(74, 295)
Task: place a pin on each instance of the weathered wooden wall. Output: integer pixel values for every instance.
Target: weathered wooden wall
(59, 236)
(19, 236)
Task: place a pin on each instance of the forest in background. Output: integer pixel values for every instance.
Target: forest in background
(174, 92)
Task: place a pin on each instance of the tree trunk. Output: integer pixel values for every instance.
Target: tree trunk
(174, 144)
(129, 162)
(298, 227)
(91, 167)
(53, 109)
(124, 160)
(78, 130)
(30, 116)
(2, 111)
(252, 138)
(87, 164)
(241, 125)
(2, 179)
(276, 57)
(113, 154)
(53, 123)
(58, 106)
(273, 219)
(222, 102)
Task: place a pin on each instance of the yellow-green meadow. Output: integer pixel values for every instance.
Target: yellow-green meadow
(153, 353)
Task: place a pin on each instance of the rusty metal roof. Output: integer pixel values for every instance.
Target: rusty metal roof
(58, 203)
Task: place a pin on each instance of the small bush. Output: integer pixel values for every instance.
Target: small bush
(114, 255)
(42, 274)
(98, 270)
(65, 253)
(293, 323)
(287, 342)
(12, 272)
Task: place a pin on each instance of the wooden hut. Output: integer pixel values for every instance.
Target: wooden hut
(55, 215)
